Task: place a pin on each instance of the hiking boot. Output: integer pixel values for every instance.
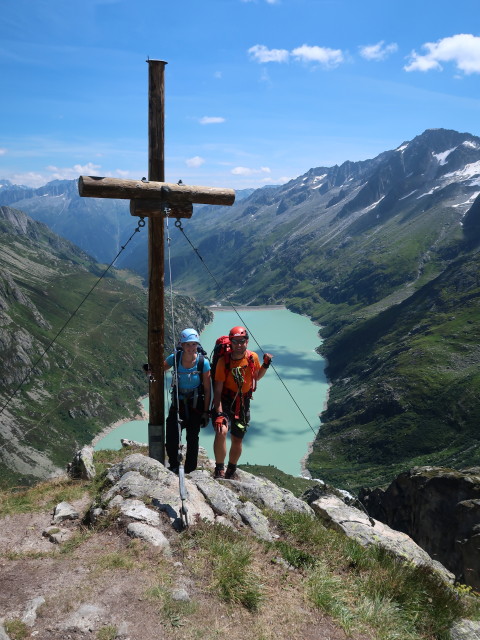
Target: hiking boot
(219, 474)
(230, 473)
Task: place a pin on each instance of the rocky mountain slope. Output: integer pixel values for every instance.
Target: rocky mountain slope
(98, 226)
(58, 393)
(345, 236)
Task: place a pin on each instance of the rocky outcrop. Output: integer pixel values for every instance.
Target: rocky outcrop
(440, 510)
(355, 524)
(140, 489)
(139, 477)
(82, 464)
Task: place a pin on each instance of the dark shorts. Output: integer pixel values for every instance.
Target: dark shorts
(237, 426)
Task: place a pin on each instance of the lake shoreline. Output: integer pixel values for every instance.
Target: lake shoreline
(141, 415)
(303, 462)
(266, 307)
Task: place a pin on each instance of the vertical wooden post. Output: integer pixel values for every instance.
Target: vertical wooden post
(156, 277)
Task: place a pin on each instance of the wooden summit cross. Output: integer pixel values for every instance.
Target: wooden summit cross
(155, 199)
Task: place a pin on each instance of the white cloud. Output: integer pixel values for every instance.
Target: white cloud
(69, 173)
(211, 120)
(378, 51)
(3, 152)
(29, 179)
(32, 179)
(260, 53)
(326, 57)
(196, 161)
(462, 49)
(246, 171)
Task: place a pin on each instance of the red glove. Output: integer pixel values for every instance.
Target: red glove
(219, 422)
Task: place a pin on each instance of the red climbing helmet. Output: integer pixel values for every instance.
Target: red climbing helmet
(238, 332)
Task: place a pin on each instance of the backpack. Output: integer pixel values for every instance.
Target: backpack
(223, 347)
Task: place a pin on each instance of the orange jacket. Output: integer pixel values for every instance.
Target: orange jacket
(226, 375)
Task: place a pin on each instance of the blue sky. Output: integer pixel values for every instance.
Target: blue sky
(257, 91)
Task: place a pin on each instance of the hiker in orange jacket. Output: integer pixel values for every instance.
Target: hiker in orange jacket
(236, 377)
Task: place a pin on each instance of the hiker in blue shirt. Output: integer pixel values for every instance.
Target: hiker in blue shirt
(194, 392)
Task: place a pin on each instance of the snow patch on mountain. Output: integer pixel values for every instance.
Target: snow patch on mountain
(442, 157)
(467, 202)
(373, 205)
(409, 194)
(429, 193)
(468, 171)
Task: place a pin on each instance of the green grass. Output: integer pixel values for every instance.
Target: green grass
(405, 386)
(367, 590)
(42, 497)
(293, 483)
(109, 632)
(229, 555)
(16, 629)
(174, 612)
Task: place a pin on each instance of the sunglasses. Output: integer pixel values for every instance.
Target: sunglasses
(238, 340)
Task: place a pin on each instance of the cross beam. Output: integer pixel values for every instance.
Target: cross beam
(155, 199)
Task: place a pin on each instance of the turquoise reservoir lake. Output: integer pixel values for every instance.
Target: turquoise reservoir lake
(278, 433)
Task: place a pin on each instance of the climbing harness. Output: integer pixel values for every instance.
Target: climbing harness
(239, 398)
(178, 224)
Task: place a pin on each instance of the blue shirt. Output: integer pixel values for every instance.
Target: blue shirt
(188, 378)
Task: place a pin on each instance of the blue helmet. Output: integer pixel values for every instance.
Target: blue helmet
(189, 335)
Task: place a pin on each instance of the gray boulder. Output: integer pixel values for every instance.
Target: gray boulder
(356, 524)
(465, 630)
(254, 518)
(82, 464)
(64, 511)
(267, 494)
(151, 535)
